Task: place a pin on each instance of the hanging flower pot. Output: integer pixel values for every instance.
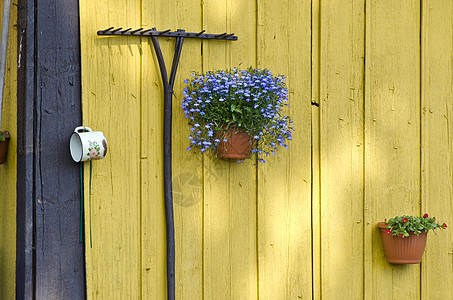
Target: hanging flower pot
(404, 238)
(252, 99)
(235, 144)
(4, 147)
(399, 250)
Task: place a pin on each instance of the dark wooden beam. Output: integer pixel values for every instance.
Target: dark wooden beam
(25, 148)
(50, 257)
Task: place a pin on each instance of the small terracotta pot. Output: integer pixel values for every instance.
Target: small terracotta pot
(4, 147)
(398, 250)
(238, 144)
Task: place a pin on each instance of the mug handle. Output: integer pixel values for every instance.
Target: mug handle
(82, 128)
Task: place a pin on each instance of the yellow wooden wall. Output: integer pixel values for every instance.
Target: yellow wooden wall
(8, 169)
(303, 225)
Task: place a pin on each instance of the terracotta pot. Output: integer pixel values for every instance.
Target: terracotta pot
(398, 250)
(238, 144)
(4, 147)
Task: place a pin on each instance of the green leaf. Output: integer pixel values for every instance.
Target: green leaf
(2, 136)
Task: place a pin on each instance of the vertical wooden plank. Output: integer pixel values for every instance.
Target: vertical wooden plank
(8, 172)
(187, 193)
(25, 149)
(187, 168)
(436, 122)
(300, 163)
(284, 185)
(242, 21)
(315, 147)
(216, 175)
(153, 234)
(273, 206)
(392, 136)
(341, 148)
(111, 103)
(59, 256)
(216, 182)
(230, 266)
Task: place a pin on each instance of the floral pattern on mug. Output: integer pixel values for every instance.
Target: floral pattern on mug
(94, 150)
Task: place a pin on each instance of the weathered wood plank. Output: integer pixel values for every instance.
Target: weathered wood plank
(187, 168)
(25, 144)
(242, 186)
(300, 164)
(392, 136)
(153, 271)
(436, 122)
(315, 148)
(59, 254)
(216, 176)
(341, 148)
(229, 187)
(111, 103)
(187, 195)
(284, 182)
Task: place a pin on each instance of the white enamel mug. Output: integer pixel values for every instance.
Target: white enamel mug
(86, 144)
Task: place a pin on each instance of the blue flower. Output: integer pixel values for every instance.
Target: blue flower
(252, 99)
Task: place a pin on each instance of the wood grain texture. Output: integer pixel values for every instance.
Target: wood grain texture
(436, 143)
(341, 148)
(153, 234)
(392, 135)
(187, 179)
(187, 168)
(59, 256)
(111, 89)
(8, 170)
(216, 178)
(25, 159)
(230, 266)
(303, 225)
(284, 182)
(315, 148)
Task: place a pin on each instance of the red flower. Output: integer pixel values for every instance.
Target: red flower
(425, 215)
(387, 231)
(404, 220)
(444, 225)
(401, 235)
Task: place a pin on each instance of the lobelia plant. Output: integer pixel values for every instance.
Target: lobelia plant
(404, 225)
(249, 100)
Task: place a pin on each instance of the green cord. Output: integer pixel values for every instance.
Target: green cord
(81, 206)
(91, 172)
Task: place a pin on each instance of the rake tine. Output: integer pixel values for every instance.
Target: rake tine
(136, 30)
(165, 31)
(220, 35)
(124, 31)
(200, 33)
(107, 30)
(115, 30)
(145, 31)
